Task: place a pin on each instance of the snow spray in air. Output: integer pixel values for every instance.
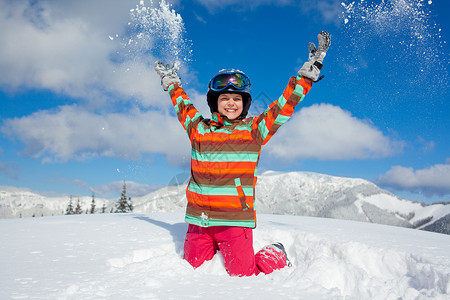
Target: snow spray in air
(395, 38)
(154, 32)
(157, 32)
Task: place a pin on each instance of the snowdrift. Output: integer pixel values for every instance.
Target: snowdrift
(139, 256)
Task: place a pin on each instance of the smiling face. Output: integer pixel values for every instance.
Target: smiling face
(230, 105)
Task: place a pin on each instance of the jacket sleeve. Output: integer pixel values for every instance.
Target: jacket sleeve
(188, 115)
(265, 126)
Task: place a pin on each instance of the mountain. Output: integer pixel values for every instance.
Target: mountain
(319, 195)
(15, 203)
(140, 256)
(284, 193)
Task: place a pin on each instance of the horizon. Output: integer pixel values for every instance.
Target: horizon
(83, 109)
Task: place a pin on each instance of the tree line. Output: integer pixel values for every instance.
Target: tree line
(123, 205)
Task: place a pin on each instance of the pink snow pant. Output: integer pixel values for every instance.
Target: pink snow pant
(236, 246)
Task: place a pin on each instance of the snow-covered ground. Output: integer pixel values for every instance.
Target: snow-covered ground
(139, 256)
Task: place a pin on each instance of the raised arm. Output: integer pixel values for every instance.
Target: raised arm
(282, 109)
(188, 115)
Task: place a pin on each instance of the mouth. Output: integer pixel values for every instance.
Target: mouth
(230, 110)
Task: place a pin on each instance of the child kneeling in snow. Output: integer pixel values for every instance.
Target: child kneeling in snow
(224, 158)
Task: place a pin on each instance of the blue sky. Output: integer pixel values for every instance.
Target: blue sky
(82, 109)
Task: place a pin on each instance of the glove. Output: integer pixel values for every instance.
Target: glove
(311, 68)
(168, 74)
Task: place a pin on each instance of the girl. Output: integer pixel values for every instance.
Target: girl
(224, 159)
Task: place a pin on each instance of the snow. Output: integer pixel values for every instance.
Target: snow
(159, 30)
(284, 193)
(139, 256)
(385, 202)
(395, 26)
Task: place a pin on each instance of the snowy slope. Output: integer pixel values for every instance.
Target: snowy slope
(15, 203)
(312, 194)
(316, 195)
(292, 193)
(139, 256)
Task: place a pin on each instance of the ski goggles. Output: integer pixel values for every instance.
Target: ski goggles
(237, 80)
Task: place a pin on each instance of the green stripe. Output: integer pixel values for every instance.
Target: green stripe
(219, 190)
(298, 90)
(263, 129)
(247, 127)
(281, 119)
(225, 156)
(226, 130)
(281, 102)
(189, 120)
(213, 222)
(202, 129)
(181, 100)
(237, 182)
(207, 129)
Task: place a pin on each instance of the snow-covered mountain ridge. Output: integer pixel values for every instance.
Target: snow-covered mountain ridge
(319, 195)
(15, 203)
(284, 193)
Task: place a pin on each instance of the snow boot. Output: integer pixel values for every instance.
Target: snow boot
(272, 257)
(281, 247)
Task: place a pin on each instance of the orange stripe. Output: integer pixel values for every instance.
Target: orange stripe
(223, 167)
(288, 110)
(306, 84)
(216, 202)
(289, 88)
(241, 135)
(218, 171)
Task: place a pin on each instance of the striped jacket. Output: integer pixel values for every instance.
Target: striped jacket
(225, 155)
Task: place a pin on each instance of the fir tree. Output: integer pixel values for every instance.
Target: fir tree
(69, 209)
(130, 204)
(93, 204)
(103, 208)
(124, 204)
(78, 209)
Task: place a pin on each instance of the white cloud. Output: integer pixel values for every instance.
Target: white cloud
(327, 132)
(73, 132)
(14, 189)
(426, 146)
(214, 5)
(9, 169)
(64, 46)
(329, 10)
(434, 180)
(76, 48)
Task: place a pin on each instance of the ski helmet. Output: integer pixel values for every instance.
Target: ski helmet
(229, 81)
